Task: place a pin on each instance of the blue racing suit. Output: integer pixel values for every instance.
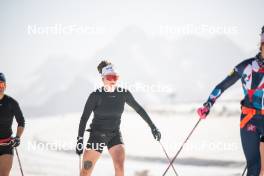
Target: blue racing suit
(251, 74)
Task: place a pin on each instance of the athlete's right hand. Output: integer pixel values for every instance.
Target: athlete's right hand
(79, 146)
(204, 111)
(15, 142)
(156, 133)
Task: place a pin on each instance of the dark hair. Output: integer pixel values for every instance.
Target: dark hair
(2, 77)
(261, 44)
(103, 64)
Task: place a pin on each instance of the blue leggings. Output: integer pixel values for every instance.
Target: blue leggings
(250, 138)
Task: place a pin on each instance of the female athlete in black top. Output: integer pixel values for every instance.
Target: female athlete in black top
(8, 109)
(107, 104)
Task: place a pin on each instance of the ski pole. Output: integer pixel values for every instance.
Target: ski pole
(163, 148)
(80, 164)
(20, 165)
(179, 151)
(244, 171)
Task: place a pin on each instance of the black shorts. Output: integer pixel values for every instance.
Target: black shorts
(6, 150)
(99, 139)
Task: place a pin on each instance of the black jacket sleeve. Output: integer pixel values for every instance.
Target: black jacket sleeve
(134, 104)
(18, 113)
(89, 107)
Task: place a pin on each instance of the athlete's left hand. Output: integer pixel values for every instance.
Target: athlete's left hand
(204, 111)
(15, 142)
(156, 133)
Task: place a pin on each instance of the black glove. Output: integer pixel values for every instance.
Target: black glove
(79, 146)
(207, 105)
(15, 142)
(156, 133)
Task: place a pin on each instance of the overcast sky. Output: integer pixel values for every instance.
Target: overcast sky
(21, 51)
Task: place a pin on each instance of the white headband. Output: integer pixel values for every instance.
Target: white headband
(108, 70)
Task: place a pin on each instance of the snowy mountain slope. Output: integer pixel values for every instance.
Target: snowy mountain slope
(186, 68)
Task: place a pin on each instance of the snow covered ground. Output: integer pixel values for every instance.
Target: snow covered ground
(214, 148)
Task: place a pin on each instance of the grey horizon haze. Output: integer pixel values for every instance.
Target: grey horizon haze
(49, 50)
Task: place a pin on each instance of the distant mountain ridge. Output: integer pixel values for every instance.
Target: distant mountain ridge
(190, 66)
